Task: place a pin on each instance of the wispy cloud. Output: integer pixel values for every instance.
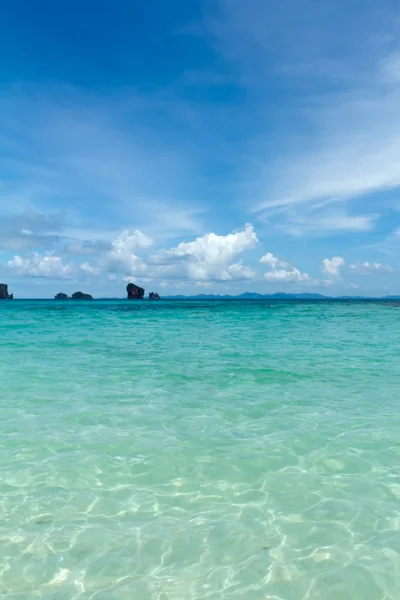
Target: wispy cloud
(372, 268)
(67, 149)
(342, 101)
(29, 230)
(317, 221)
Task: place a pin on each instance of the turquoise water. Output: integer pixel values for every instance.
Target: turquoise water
(199, 450)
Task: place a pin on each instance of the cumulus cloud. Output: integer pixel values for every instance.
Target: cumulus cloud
(333, 266)
(291, 275)
(38, 265)
(122, 258)
(50, 266)
(273, 262)
(209, 257)
(283, 272)
(288, 276)
(131, 240)
(240, 271)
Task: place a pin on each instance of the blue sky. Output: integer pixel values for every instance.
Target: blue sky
(206, 146)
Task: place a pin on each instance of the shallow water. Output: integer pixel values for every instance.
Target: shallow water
(199, 450)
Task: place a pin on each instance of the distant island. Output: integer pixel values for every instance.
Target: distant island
(4, 295)
(75, 296)
(135, 292)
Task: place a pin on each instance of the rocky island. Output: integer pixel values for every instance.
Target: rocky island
(81, 296)
(75, 296)
(134, 292)
(4, 295)
(154, 296)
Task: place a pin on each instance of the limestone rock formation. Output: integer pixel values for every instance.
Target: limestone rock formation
(154, 296)
(4, 295)
(134, 292)
(81, 296)
(75, 296)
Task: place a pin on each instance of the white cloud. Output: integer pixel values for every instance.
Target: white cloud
(332, 266)
(88, 269)
(122, 258)
(343, 143)
(131, 240)
(282, 271)
(353, 153)
(342, 169)
(319, 221)
(38, 265)
(372, 268)
(273, 262)
(209, 257)
(240, 271)
(292, 275)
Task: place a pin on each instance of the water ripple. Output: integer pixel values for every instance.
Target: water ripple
(187, 451)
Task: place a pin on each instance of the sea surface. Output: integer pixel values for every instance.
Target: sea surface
(187, 450)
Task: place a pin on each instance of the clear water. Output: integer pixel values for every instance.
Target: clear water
(199, 450)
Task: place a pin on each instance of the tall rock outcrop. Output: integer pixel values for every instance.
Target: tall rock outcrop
(134, 292)
(4, 295)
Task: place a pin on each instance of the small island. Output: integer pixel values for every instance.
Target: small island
(134, 292)
(154, 296)
(4, 295)
(81, 296)
(75, 296)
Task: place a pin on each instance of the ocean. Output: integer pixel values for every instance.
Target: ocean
(187, 450)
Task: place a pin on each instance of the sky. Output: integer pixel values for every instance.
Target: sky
(210, 146)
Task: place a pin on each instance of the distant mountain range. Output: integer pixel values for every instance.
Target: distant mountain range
(278, 296)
